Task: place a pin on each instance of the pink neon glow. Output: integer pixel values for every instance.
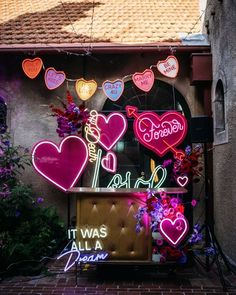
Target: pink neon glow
(144, 80)
(61, 165)
(182, 180)
(168, 67)
(112, 128)
(159, 133)
(174, 231)
(109, 162)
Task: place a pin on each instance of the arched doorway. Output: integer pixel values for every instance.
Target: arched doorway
(131, 155)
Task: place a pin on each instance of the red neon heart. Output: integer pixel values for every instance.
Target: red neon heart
(32, 67)
(61, 165)
(111, 129)
(144, 80)
(160, 133)
(174, 231)
(109, 162)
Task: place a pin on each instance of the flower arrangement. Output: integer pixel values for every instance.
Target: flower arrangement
(71, 118)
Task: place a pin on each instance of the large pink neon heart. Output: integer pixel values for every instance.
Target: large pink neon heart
(111, 129)
(61, 165)
(174, 231)
(159, 133)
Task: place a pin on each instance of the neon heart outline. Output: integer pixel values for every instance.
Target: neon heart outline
(57, 72)
(165, 235)
(85, 82)
(106, 119)
(106, 158)
(160, 62)
(180, 178)
(59, 151)
(113, 82)
(139, 121)
(28, 60)
(142, 74)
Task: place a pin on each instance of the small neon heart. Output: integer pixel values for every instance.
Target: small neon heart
(85, 89)
(113, 89)
(182, 180)
(144, 80)
(174, 231)
(32, 67)
(109, 162)
(168, 67)
(54, 79)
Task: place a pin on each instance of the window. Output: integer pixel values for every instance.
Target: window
(219, 108)
(132, 156)
(3, 115)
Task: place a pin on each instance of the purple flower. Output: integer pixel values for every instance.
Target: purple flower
(17, 213)
(39, 200)
(196, 235)
(210, 251)
(188, 150)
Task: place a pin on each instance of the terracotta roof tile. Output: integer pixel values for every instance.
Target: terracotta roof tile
(76, 21)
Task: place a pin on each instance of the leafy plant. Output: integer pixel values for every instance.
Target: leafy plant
(27, 231)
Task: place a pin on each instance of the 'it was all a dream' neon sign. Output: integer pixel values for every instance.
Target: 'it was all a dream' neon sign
(64, 164)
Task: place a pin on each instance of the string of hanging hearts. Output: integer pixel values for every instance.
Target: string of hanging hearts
(112, 89)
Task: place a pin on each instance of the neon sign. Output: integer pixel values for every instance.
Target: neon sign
(118, 182)
(113, 89)
(182, 180)
(61, 165)
(159, 133)
(111, 128)
(174, 231)
(168, 67)
(78, 252)
(109, 162)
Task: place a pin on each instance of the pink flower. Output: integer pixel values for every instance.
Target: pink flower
(194, 202)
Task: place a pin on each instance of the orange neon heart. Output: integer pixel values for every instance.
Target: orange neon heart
(85, 89)
(32, 67)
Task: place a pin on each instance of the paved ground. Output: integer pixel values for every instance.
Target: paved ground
(120, 280)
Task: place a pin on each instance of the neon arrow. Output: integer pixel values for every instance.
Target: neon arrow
(178, 153)
(132, 113)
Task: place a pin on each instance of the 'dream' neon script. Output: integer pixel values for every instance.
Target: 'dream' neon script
(61, 165)
(160, 134)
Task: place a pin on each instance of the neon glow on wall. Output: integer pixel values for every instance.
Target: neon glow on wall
(160, 134)
(61, 165)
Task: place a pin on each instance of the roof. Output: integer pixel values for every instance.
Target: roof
(96, 21)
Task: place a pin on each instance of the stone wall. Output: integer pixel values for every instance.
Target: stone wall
(220, 22)
(28, 100)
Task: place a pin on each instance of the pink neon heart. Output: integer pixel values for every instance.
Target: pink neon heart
(61, 165)
(111, 128)
(168, 67)
(144, 80)
(160, 133)
(182, 180)
(53, 78)
(174, 231)
(109, 162)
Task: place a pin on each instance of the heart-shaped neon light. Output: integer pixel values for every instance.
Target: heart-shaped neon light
(144, 80)
(61, 165)
(109, 162)
(174, 231)
(182, 180)
(169, 67)
(53, 79)
(32, 67)
(113, 89)
(159, 133)
(85, 89)
(111, 129)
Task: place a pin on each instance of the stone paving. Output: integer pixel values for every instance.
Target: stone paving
(120, 280)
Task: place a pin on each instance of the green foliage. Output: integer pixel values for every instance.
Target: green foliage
(28, 231)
